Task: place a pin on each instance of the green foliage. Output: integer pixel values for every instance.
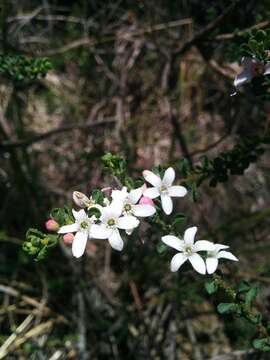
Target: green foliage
(241, 304)
(63, 216)
(93, 211)
(262, 344)
(258, 45)
(227, 163)
(22, 69)
(117, 166)
(178, 219)
(98, 196)
(211, 287)
(37, 244)
(227, 308)
(161, 248)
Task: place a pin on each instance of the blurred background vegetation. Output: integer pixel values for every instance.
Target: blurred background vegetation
(150, 80)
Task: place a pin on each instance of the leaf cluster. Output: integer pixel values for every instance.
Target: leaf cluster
(19, 68)
(231, 162)
(37, 243)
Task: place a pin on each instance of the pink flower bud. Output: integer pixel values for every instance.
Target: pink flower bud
(68, 238)
(52, 225)
(144, 200)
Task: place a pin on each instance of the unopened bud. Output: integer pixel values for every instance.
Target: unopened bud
(144, 200)
(68, 238)
(52, 225)
(81, 200)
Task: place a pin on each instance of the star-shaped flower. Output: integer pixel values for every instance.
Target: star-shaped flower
(251, 68)
(82, 227)
(130, 202)
(110, 223)
(163, 188)
(213, 257)
(188, 250)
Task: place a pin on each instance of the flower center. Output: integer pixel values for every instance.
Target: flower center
(84, 225)
(127, 207)
(211, 254)
(111, 222)
(163, 189)
(189, 250)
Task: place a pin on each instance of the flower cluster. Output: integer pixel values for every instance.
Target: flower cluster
(120, 214)
(188, 251)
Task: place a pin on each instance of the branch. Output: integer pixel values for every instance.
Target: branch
(87, 41)
(236, 34)
(200, 35)
(7, 145)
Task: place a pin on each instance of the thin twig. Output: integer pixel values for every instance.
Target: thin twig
(7, 145)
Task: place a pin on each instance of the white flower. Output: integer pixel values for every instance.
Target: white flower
(81, 226)
(111, 221)
(213, 257)
(163, 188)
(130, 200)
(188, 250)
(252, 68)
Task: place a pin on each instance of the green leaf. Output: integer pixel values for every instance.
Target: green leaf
(244, 286)
(63, 216)
(211, 287)
(179, 218)
(251, 295)
(98, 196)
(93, 211)
(161, 248)
(262, 344)
(226, 308)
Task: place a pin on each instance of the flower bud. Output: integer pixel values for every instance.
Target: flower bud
(68, 238)
(81, 200)
(144, 200)
(52, 225)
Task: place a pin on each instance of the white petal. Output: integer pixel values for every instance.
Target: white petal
(120, 194)
(267, 68)
(116, 207)
(173, 241)
(247, 62)
(177, 261)
(152, 178)
(189, 235)
(79, 243)
(168, 177)
(68, 228)
(219, 247)
(127, 222)
(166, 203)
(100, 231)
(204, 245)
(177, 191)
(143, 210)
(152, 193)
(198, 263)
(241, 78)
(226, 255)
(116, 241)
(211, 265)
(79, 215)
(135, 195)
